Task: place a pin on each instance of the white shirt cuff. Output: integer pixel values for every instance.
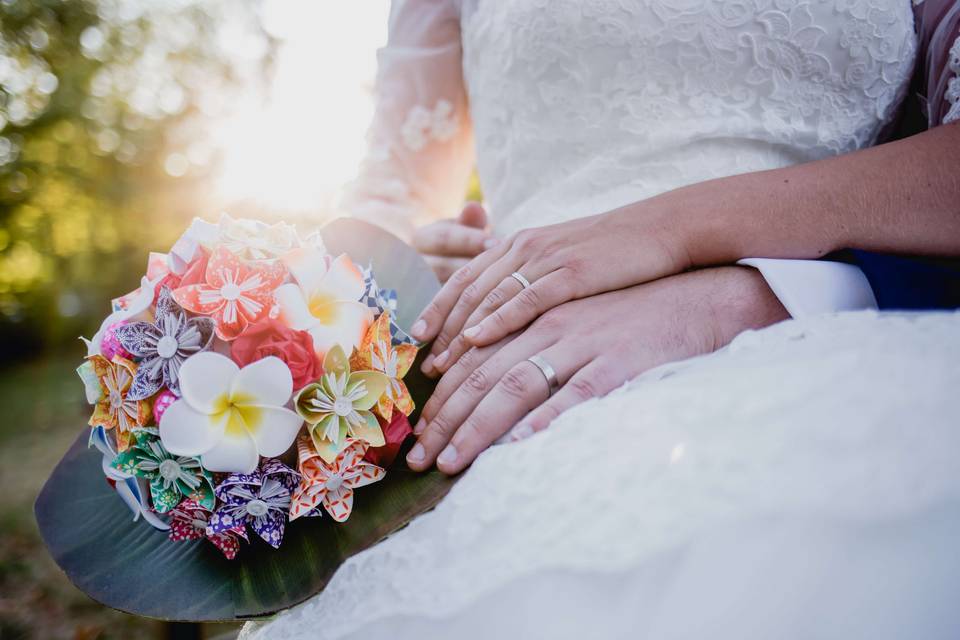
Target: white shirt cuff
(811, 287)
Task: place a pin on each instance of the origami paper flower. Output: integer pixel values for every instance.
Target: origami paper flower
(382, 301)
(256, 240)
(172, 478)
(377, 353)
(260, 499)
(234, 293)
(164, 345)
(115, 409)
(339, 404)
(131, 489)
(231, 416)
(332, 484)
(325, 301)
(158, 273)
(189, 520)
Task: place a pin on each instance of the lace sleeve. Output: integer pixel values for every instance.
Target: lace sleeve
(938, 28)
(420, 144)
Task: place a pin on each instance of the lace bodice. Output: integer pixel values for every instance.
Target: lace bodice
(580, 106)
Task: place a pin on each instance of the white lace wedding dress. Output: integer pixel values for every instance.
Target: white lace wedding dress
(800, 483)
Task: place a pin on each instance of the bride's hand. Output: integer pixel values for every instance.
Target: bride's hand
(594, 345)
(563, 262)
(448, 245)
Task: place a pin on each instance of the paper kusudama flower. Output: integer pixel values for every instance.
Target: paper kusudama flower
(256, 240)
(172, 478)
(325, 301)
(381, 301)
(377, 353)
(234, 293)
(189, 520)
(164, 345)
(260, 499)
(331, 484)
(338, 406)
(230, 416)
(115, 409)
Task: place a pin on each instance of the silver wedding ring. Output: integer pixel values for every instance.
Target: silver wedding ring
(516, 275)
(547, 371)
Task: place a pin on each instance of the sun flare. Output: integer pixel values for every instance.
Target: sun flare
(295, 148)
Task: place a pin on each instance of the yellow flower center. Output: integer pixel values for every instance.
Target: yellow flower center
(242, 416)
(323, 307)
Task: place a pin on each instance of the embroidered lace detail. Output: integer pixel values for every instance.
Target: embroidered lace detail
(834, 446)
(423, 125)
(953, 87)
(581, 106)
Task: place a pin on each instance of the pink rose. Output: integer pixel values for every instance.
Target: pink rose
(394, 433)
(273, 338)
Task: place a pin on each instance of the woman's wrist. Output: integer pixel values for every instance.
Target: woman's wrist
(896, 198)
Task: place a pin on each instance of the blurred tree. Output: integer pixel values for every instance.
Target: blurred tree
(100, 105)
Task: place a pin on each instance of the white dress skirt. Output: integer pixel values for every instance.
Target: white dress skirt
(802, 482)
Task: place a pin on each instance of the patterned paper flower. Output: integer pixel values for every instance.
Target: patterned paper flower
(377, 353)
(325, 302)
(234, 293)
(331, 484)
(260, 499)
(172, 478)
(189, 520)
(164, 345)
(231, 416)
(381, 301)
(115, 409)
(339, 405)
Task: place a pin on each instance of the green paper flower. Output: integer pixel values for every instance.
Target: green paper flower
(338, 406)
(172, 478)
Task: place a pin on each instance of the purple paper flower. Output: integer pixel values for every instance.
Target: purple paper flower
(260, 499)
(163, 345)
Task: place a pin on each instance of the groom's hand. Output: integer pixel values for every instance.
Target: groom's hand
(594, 345)
(449, 244)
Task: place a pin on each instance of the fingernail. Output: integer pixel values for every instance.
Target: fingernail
(427, 365)
(489, 243)
(441, 360)
(416, 454)
(421, 425)
(448, 455)
(418, 329)
(472, 332)
(521, 432)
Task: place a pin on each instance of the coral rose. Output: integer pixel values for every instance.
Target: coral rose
(273, 338)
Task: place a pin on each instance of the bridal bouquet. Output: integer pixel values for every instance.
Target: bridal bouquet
(257, 377)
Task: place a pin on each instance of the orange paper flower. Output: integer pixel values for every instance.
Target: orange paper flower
(376, 353)
(331, 484)
(114, 410)
(234, 293)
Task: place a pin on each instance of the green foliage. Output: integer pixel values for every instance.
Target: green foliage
(92, 97)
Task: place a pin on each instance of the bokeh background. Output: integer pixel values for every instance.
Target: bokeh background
(120, 120)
